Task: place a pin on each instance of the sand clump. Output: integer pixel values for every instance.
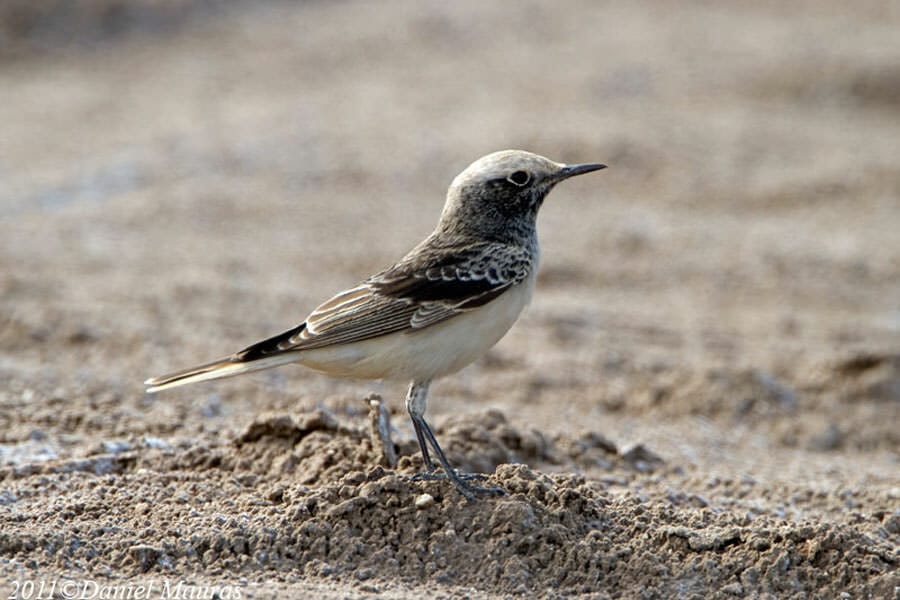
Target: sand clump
(297, 496)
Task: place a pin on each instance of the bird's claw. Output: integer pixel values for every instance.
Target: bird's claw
(461, 481)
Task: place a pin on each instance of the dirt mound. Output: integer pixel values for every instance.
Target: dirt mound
(299, 496)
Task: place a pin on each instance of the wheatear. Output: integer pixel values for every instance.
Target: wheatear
(442, 306)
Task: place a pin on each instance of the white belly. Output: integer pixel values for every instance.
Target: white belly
(427, 353)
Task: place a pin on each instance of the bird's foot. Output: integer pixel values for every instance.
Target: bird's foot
(461, 481)
(441, 476)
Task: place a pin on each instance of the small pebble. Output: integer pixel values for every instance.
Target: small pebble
(144, 555)
(424, 501)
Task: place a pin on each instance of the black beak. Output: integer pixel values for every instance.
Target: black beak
(573, 170)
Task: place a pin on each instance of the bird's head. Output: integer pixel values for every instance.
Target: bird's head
(503, 191)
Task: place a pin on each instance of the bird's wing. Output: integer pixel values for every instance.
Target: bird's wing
(411, 295)
(453, 280)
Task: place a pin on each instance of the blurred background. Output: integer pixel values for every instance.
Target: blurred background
(713, 349)
(181, 178)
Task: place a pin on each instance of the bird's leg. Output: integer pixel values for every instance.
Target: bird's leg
(416, 401)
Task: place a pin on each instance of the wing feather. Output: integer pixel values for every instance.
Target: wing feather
(429, 286)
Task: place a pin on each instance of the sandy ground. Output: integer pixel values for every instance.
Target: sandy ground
(702, 401)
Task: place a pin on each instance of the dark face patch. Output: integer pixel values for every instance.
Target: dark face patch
(511, 199)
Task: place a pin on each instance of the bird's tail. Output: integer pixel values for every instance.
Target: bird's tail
(225, 367)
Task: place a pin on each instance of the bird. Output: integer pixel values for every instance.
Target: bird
(436, 310)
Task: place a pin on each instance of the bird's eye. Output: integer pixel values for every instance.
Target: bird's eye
(519, 178)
